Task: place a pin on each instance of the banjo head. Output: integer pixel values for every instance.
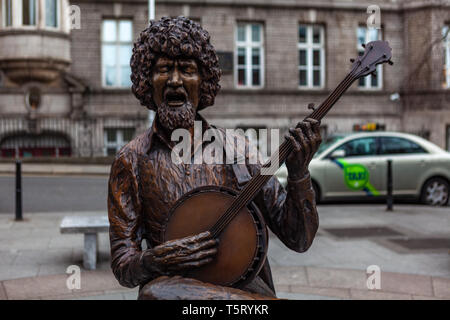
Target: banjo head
(242, 245)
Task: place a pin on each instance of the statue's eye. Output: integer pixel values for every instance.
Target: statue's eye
(164, 69)
(189, 70)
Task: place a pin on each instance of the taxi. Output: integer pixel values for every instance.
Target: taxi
(355, 166)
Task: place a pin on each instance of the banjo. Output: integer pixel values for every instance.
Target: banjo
(232, 217)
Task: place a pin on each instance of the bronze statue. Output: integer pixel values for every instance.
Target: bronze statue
(175, 72)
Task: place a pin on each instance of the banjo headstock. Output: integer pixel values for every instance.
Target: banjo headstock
(376, 52)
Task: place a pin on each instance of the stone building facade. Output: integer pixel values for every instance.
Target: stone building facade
(65, 88)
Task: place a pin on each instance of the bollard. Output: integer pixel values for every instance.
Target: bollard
(389, 198)
(19, 216)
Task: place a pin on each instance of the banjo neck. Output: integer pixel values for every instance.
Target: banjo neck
(254, 186)
(377, 52)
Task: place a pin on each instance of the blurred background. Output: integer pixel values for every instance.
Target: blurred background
(66, 108)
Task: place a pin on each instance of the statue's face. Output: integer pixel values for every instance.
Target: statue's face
(176, 81)
(176, 91)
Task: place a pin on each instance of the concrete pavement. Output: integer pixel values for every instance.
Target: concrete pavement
(291, 283)
(34, 257)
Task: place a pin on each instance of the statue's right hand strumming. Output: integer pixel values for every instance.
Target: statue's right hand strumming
(181, 254)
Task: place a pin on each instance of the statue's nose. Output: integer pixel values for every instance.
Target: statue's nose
(175, 78)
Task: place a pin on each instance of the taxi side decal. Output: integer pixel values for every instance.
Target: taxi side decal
(357, 177)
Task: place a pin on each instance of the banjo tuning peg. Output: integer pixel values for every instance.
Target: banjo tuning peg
(311, 106)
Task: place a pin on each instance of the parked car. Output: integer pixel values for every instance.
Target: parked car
(355, 166)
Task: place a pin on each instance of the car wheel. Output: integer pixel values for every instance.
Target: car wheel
(435, 192)
(316, 192)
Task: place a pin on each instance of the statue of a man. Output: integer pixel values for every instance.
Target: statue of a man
(175, 72)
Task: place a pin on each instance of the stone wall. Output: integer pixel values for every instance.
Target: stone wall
(412, 28)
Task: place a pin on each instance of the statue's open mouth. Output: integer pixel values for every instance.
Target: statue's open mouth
(175, 98)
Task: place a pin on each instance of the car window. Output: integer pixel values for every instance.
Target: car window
(394, 145)
(327, 143)
(360, 147)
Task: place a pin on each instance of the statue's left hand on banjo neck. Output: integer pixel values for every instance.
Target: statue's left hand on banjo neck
(240, 225)
(305, 140)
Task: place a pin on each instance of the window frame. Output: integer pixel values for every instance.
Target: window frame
(425, 151)
(58, 16)
(249, 45)
(119, 142)
(117, 43)
(40, 17)
(368, 79)
(446, 45)
(310, 46)
(377, 151)
(36, 16)
(447, 137)
(4, 14)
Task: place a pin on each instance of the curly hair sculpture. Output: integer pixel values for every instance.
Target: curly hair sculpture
(175, 38)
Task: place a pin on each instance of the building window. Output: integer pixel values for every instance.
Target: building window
(117, 46)
(51, 13)
(115, 139)
(364, 36)
(446, 42)
(394, 145)
(8, 13)
(249, 70)
(35, 145)
(311, 53)
(29, 12)
(448, 138)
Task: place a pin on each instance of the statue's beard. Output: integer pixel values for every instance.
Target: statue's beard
(175, 118)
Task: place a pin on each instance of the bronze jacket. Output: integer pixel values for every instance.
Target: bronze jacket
(144, 184)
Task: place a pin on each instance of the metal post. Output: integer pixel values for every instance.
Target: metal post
(390, 200)
(19, 216)
(151, 9)
(151, 16)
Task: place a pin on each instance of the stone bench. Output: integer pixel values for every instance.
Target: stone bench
(90, 226)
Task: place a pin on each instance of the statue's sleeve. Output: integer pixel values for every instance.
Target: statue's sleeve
(125, 231)
(290, 213)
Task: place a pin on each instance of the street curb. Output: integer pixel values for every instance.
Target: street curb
(335, 283)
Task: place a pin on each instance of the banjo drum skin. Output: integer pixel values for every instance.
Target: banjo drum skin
(242, 247)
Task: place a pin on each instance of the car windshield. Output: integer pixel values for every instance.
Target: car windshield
(327, 143)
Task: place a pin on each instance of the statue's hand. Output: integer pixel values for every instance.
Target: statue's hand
(181, 254)
(305, 139)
